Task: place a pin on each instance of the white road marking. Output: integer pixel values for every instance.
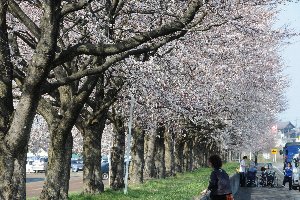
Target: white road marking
(278, 170)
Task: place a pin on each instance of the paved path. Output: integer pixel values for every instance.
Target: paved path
(263, 193)
(35, 182)
(268, 193)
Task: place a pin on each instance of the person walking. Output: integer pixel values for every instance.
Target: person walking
(288, 173)
(243, 168)
(219, 183)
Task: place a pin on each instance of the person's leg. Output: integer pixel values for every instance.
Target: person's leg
(284, 181)
(290, 183)
(218, 197)
(242, 184)
(244, 179)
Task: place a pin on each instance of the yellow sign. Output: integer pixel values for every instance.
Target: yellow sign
(274, 151)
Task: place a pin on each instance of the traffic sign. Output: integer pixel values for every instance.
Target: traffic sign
(274, 151)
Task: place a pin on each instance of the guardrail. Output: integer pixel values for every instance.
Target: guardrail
(234, 183)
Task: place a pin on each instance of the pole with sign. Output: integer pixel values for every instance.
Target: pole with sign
(274, 151)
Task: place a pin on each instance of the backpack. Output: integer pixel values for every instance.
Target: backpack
(223, 180)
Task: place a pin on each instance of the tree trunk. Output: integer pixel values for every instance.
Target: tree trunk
(15, 176)
(54, 186)
(7, 186)
(66, 168)
(150, 152)
(60, 126)
(169, 153)
(160, 154)
(15, 129)
(198, 154)
(19, 176)
(137, 161)
(117, 155)
(188, 154)
(6, 174)
(92, 177)
(179, 158)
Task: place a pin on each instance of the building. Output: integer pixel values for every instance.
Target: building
(287, 132)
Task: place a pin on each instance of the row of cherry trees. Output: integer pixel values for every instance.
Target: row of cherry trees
(205, 76)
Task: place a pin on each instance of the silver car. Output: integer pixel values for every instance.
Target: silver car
(76, 165)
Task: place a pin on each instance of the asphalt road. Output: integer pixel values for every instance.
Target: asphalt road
(269, 193)
(35, 182)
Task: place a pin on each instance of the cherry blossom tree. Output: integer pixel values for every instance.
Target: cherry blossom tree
(48, 46)
(232, 72)
(41, 34)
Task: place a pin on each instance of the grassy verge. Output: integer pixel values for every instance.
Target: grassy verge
(183, 186)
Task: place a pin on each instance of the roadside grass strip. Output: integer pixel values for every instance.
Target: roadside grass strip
(183, 186)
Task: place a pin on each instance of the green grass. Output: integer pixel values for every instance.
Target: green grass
(182, 186)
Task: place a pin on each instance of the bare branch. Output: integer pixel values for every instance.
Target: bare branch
(114, 59)
(18, 13)
(130, 43)
(68, 8)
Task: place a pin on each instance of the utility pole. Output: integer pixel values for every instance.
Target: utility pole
(128, 146)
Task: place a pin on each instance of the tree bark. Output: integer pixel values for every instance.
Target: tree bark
(60, 149)
(170, 154)
(150, 153)
(14, 138)
(160, 153)
(188, 154)
(92, 125)
(117, 154)
(54, 186)
(179, 156)
(92, 177)
(137, 161)
(66, 167)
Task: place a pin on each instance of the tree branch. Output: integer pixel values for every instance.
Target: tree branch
(114, 59)
(72, 7)
(18, 13)
(130, 43)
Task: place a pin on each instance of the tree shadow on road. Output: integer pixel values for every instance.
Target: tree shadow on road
(31, 180)
(243, 194)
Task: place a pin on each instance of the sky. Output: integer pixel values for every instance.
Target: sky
(290, 15)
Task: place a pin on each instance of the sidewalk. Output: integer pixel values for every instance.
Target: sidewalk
(265, 193)
(268, 193)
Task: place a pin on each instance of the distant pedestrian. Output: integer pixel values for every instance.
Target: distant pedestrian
(288, 173)
(219, 183)
(251, 174)
(243, 170)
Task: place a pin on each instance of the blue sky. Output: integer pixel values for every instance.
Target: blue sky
(290, 15)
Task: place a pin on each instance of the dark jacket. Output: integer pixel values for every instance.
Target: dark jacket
(219, 183)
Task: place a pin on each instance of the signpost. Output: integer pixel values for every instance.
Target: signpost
(128, 146)
(274, 151)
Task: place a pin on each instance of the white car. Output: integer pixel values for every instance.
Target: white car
(295, 176)
(40, 165)
(29, 166)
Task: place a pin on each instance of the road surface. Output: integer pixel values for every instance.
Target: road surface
(269, 193)
(35, 182)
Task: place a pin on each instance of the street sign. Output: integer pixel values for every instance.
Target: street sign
(274, 151)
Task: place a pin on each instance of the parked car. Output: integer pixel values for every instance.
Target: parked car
(76, 165)
(104, 158)
(29, 166)
(40, 164)
(105, 170)
(105, 167)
